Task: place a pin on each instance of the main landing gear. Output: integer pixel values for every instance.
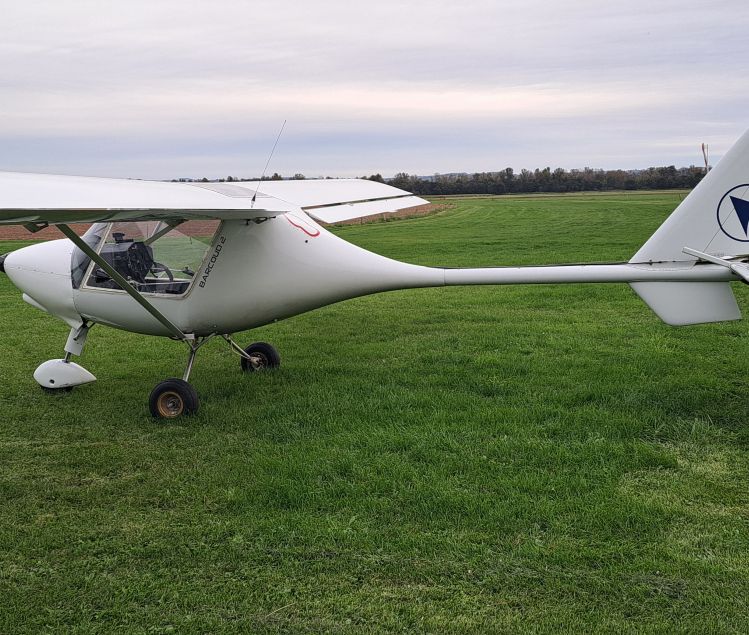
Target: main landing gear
(170, 398)
(259, 356)
(174, 397)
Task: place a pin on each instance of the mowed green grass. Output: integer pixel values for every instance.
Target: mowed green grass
(481, 459)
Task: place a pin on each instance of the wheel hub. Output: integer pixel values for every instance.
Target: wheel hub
(259, 361)
(170, 405)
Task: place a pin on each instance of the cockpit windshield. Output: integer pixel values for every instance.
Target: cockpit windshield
(80, 261)
(155, 257)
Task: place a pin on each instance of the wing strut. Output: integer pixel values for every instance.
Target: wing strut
(163, 228)
(120, 280)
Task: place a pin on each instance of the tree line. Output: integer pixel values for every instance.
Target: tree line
(547, 180)
(508, 181)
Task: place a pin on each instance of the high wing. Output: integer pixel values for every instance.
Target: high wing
(53, 199)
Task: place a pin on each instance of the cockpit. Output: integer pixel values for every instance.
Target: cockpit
(154, 257)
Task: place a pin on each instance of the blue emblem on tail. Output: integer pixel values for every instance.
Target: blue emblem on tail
(733, 213)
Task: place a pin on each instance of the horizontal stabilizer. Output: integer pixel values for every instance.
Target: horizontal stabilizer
(682, 303)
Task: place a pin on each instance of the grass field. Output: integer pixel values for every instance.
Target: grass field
(482, 459)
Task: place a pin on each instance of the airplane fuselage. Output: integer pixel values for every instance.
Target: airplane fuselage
(256, 273)
(253, 274)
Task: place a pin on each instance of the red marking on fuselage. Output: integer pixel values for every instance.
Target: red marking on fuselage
(313, 234)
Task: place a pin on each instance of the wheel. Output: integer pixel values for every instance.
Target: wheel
(264, 356)
(173, 398)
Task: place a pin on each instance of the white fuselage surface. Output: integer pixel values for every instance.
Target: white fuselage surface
(256, 273)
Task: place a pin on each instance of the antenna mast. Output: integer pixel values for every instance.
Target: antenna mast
(705, 155)
(267, 163)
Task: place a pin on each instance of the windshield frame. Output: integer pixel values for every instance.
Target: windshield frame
(94, 237)
(107, 234)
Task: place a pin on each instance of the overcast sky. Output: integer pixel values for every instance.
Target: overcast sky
(162, 89)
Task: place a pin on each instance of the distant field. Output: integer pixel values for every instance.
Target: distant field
(486, 459)
(615, 193)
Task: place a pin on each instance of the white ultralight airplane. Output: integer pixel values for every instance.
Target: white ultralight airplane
(194, 261)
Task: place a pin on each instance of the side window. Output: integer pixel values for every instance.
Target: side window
(154, 256)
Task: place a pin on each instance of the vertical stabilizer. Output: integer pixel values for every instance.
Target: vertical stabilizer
(714, 218)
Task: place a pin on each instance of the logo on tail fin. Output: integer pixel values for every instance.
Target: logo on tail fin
(733, 213)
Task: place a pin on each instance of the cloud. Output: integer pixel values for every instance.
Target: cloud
(186, 88)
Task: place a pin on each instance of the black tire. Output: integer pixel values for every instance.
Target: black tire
(265, 355)
(173, 398)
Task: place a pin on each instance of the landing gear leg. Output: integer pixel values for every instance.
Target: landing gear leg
(174, 397)
(62, 375)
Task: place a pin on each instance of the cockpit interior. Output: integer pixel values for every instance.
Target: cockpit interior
(154, 257)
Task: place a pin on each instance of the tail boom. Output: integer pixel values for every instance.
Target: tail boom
(571, 274)
(678, 293)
